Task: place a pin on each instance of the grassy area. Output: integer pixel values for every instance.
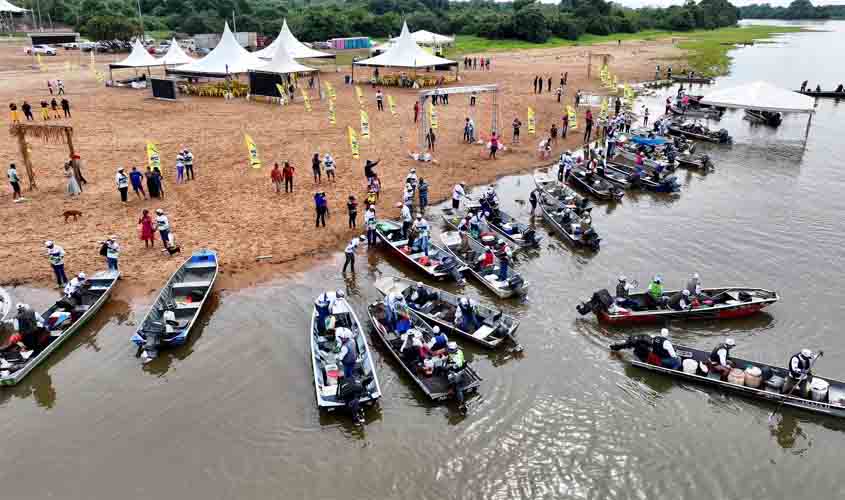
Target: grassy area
(160, 35)
(708, 48)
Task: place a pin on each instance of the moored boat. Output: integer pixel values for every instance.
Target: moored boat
(772, 119)
(699, 132)
(5, 306)
(823, 93)
(332, 389)
(828, 396)
(468, 251)
(691, 112)
(439, 264)
(486, 235)
(172, 316)
(549, 184)
(517, 233)
(665, 184)
(441, 308)
(691, 79)
(597, 186)
(714, 303)
(437, 385)
(567, 225)
(61, 321)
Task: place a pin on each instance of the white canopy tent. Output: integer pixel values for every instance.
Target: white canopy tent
(5, 6)
(175, 55)
(138, 58)
(763, 96)
(227, 58)
(430, 39)
(295, 48)
(282, 64)
(405, 53)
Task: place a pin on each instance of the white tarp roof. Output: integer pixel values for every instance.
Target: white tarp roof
(405, 53)
(282, 63)
(227, 57)
(424, 37)
(762, 96)
(7, 7)
(175, 55)
(138, 58)
(296, 49)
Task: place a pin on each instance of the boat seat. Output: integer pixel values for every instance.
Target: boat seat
(192, 284)
(81, 308)
(201, 265)
(483, 332)
(400, 243)
(98, 288)
(187, 305)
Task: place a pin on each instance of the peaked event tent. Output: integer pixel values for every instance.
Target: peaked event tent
(175, 55)
(138, 58)
(295, 48)
(763, 96)
(427, 38)
(228, 57)
(281, 64)
(7, 7)
(405, 53)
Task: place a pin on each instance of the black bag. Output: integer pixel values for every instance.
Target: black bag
(104, 250)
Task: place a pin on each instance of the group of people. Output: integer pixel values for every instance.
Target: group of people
(805, 87)
(473, 62)
(49, 110)
(689, 297)
(539, 82)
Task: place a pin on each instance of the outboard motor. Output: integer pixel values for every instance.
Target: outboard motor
(151, 344)
(600, 301)
(450, 265)
(529, 236)
(724, 136)
(515, 282)
(706, 162)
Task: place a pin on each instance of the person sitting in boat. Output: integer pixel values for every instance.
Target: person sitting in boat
(720, 358)
(694, 285)
(586, 225)
(623, 291)
(466, 316)
(839, 89)
(403, 321)
(680, 301)
(655, 292)
(439, 341)
(475, 225)
(566, 218)
(818, 88)
(411, 344)
(641, 344)
(420, 296)
(804, 86)
(29, 335)
(411, 179)
(487, 260)
(662, 348)
(800, 373)
(73, 290)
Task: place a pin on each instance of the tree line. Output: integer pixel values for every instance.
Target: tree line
(798, 9)
(314, 20)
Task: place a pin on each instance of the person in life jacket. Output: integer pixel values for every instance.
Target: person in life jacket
(422, 230)
(454, 366)
(348, 355)
(466, 316)
(720, 358)
(680, 301)
(420, 296)
(439, 341)
(487, 260)
(655, 292)
(662, 347)
(504, 254)
(799, 367)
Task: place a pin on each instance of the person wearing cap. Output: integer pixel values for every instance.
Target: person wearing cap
(188, 160)
(328, 161)
(694, 285)
(662, 347)
(439, 340)
(369, 167)
(163, 226)
(56, 255)
(680, 301)
(420, 296)
(422, 230)
(379, 100)
(350, 255)
(655, 292)
(122, 181)
(14, 181)
(800, 374)
(720, 358)
(457, 194)
(466, 317)
(27, 335)
(411, 178)
(180, 168)
(321, 207)
(112, 252)
(623, 291)
(287, 174)
(370, 221)
(407, 221)
(348, 355)
(454, 365)
(73, 288)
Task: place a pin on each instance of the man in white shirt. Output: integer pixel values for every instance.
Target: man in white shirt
(350, 255)
(663, 348)
(406, 221)
(163, 226)
(56, 254)
(423, 231)
(457, 193)
(122, 181)
(370, 223)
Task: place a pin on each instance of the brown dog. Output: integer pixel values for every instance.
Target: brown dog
(71, 213)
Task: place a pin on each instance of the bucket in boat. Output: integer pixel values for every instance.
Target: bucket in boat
(690, 366)
(818, 389)
(736, 376)
(753, 377)
(775, 384)
(488, 239)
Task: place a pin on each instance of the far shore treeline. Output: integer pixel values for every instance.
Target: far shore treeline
(525, 20)
(798, 9)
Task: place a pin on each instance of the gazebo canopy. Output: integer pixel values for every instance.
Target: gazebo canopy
(7, 7)
(138, 58)
(228, 57)
(405, 53)
(282, 63)
(425, 37)
(175, 55)
(295, 48)
(760, 96)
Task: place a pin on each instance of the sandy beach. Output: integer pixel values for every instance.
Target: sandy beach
(233, 208)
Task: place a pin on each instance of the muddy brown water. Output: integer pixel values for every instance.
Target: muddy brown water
(232, 413)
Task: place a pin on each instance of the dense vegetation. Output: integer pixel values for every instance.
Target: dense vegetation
(798, 9)
(320, 20)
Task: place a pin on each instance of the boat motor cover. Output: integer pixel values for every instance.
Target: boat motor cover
(602, 299)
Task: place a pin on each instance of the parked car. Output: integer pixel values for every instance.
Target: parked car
(87, 46)
(71, 46)
(321, 45)
(41, 49)
(162, 48)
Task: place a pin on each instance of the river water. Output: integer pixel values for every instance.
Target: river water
(232, 414)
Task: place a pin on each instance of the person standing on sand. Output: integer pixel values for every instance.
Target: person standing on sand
(112, 252)
(369, 167)
(56, 255)
(27, 111)
(430, 139)
(457, 194)
(494, 146)
(54, 107)
(350, 255)
(645, 117)
(66, 107)
(163, 227)
(352, 210)
(122, 181)
(618, 105)
(276, 178)
(146, 229)
(467, 135)
(316, 167)
(61, 85)
(14, 181)
(180, 169)
(588, 128)
(321, 207)
(50, 86)
(549, 88)
(287, 175)
(76, 164)
(159, 182)
(152, 188)
(535, 83)
(553, 134)
(516, 126)
(73, 188)
(45, 110)
(564, 128)
(380, 100)
(422, 190)
(375, 186)
(559, 93)
(188, 160)
(328, 161)
(416, 111)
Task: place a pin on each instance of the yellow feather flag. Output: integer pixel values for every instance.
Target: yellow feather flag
(391, 103)
(332, 113)
(573, 118)
(360, 94)
(532, 123)
(353, 142)
(615, 84)
(93, 60)
(365, 125)
(252, 152)
(432, 116)
(40, 62)
(283, 95)
(306, 99)
(153, 158)
(604, 109)
(331, 91)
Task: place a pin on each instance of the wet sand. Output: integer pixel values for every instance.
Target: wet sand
(231, 207)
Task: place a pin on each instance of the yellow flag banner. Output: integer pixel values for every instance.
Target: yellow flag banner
(573, 118)
(40, 62)
(603, 110)
(252, 152)
(532, 123)
(153, 158)
(432, 117)
(283, 95)
(360, 94)
(306, 99)
(353, 142)
(93, 60)
(365, 125)
(332, 113)
(331, 91)
(100, 77)
(615, 84)
(391, 103)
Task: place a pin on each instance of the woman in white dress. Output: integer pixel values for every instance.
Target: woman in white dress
(72, 184)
